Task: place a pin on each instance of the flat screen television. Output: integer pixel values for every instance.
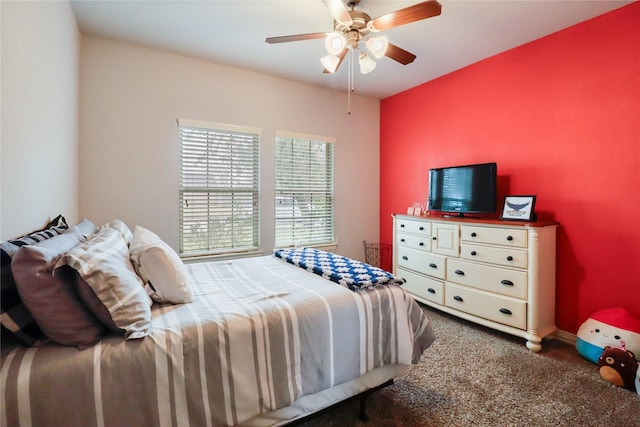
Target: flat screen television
(463, 189)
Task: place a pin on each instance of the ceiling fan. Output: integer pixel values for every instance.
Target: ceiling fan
(352, 27)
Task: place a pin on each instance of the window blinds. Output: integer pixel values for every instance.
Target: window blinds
(219, 185)
(304, 190)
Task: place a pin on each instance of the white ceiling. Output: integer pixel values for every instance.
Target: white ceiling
(233, 33)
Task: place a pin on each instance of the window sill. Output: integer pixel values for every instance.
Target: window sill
(329, 247)
(220, 257)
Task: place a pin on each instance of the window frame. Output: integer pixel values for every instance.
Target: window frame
(323, 211)
(201, 143)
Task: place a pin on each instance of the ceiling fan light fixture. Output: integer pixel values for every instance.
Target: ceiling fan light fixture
(378, 46)
(330, 63)
(335, 42)
(367, 64)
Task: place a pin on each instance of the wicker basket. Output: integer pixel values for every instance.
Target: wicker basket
(378, 254)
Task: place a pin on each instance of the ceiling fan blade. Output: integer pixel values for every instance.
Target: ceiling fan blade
(407, 15)
(295, 38)
(398, 54)
(341, 57)
(339, 11)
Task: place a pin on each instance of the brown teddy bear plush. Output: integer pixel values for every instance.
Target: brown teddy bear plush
(618, 366)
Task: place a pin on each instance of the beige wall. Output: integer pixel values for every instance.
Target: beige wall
(39, 119)
(131, 96)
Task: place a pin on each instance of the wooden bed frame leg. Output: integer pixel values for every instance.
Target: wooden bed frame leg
(363, 408)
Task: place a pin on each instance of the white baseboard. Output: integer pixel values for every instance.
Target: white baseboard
(565, 337)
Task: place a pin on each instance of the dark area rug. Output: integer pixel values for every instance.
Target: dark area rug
(474, 376)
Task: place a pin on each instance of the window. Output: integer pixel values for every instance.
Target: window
(219, 183)
(304, 190)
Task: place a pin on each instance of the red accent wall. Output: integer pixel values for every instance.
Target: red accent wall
(561, 117)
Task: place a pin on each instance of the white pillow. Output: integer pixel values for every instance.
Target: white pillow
(163, 272)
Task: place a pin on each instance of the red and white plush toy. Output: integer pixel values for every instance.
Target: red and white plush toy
(614, 327)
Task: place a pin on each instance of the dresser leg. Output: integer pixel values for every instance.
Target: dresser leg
(534, 344)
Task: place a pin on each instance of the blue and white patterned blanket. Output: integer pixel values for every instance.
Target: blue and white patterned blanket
(347, 272)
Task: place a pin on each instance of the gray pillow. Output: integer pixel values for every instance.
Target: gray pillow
(15, 316)
(51, 298)
(103, 264)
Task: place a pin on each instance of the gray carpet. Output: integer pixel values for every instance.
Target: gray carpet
(473, 376)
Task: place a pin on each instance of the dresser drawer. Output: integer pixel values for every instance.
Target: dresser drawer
(422, 262)
(422, 286)
(505, 310)
(503, 281)
(494, 236)
(495, 255)
(414, 241)
(413, 226)
(436, 265)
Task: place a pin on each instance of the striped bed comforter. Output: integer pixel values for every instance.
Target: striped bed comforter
(260, 334)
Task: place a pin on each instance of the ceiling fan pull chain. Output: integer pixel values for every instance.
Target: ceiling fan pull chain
(351, 71)
(349, 82)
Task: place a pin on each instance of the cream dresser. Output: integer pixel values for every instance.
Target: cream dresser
(500, 274)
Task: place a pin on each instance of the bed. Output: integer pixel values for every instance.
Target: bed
(262, 342)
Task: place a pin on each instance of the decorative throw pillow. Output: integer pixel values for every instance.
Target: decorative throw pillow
(163, 272)
(14, 315)
(51, 298)
(103, 264)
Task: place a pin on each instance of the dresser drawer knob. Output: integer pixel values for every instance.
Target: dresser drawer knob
(433, 238)
(402, 240)
(432, 265)
(421, 244)
(459, 272)
(474, 253)
(404, 257)
(509, 258)
(473, 234)
(506, 282)
(421, 228)
(505, 311)
(509, 238)
(431, 290)
(401, 225)
(458, 298)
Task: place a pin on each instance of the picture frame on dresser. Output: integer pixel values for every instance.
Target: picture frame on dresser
(518, 208)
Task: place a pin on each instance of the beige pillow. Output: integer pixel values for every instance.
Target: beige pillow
(163, 272)
(103, 264)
